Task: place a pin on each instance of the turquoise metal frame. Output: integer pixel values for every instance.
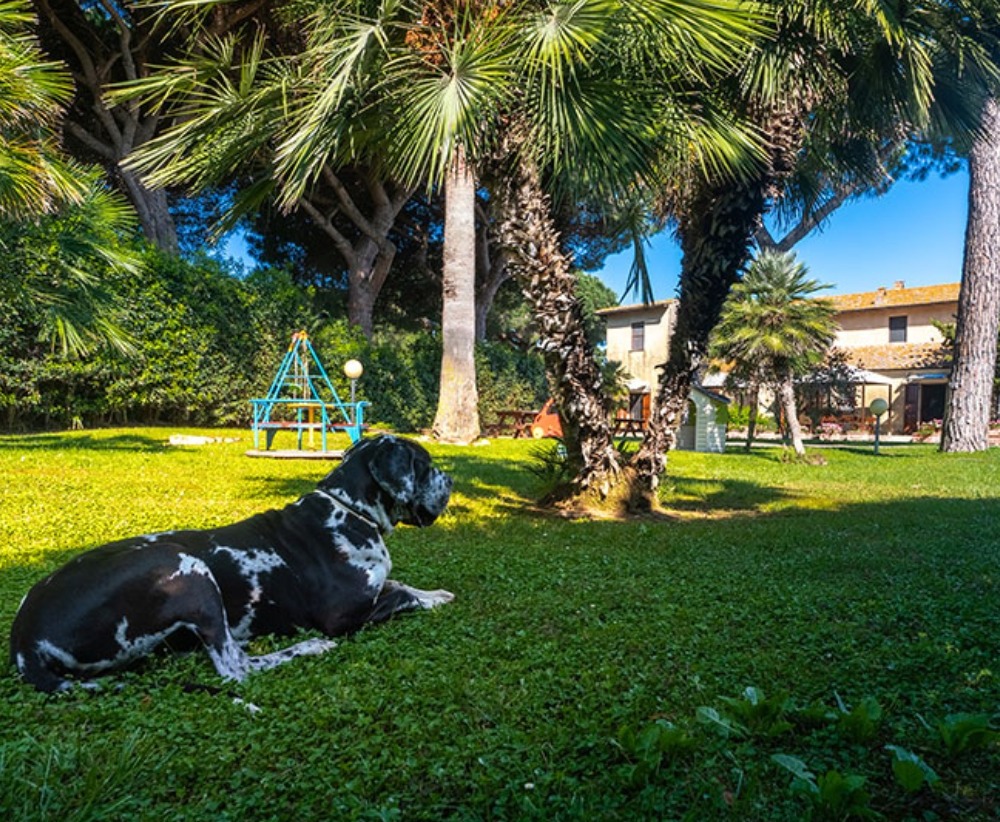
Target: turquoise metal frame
(303, 387)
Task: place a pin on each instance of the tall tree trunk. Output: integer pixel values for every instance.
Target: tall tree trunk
(457, 418)
(369, 257)
(491, 271)
(754, 394)
(716, 226)
(527, 233)
(715, 233)
(153, 209)
(967, 416)
(786, 398)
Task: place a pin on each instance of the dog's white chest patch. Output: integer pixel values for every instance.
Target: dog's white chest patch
(372, 558)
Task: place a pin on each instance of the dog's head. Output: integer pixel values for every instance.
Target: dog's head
(394, 475)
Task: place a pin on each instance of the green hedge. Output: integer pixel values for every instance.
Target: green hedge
(206, 341)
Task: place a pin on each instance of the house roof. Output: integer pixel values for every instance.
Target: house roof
(899, 356)
(634, 308)
(898, 295)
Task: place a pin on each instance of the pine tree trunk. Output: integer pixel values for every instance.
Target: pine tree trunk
(528, 235)
(153, 209)
(457, 418)
(966, 425)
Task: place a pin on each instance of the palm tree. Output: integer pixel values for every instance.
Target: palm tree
(34, 176)
(772, 329)
(429, 95)
(860, 68)
(59, 226)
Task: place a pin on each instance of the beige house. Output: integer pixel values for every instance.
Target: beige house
(638, 337)
(887, 335)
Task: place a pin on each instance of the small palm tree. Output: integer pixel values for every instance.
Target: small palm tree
(771, 327)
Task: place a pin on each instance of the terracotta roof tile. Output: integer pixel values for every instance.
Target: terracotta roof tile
(633, 308)
(899, 356)
(888, 297)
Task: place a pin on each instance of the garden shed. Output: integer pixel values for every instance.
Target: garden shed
(704, 425)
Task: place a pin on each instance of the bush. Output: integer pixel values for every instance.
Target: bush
(202, 340)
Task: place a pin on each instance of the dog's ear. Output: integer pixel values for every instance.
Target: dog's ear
(392, 468)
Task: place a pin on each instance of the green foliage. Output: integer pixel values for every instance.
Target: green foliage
(549, 461)
(832, 796)
(202, 343)
(771, 326)
(652, 747)
(508, 378)
(760, 715)
(967, 732)
(911, 772)
(402, 371)
(861, 723)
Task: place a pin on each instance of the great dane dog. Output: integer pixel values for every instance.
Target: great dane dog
(319, 563)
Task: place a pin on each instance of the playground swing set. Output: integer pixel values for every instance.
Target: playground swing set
(302, 399)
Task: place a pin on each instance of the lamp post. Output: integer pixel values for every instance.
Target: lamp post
(878, 407)
(353, 370)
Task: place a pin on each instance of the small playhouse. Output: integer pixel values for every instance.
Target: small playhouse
(303, 400)
(704, 425)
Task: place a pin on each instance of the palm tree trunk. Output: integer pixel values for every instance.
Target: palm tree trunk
(457, 418)
(754, 395)
(528, 235)
(716, 227)
(715, 232)
(786, 397)
(967, 416)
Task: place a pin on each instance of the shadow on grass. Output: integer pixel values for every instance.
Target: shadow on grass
(508, 486)
(263, 487)
(83, 442)
(721, 496)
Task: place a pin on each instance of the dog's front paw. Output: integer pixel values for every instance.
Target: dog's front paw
(431, 599)
(315, 647)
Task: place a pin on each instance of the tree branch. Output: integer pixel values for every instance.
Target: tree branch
(341, 243)
(347, 203)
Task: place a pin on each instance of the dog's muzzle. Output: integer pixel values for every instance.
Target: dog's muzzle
(429, 505)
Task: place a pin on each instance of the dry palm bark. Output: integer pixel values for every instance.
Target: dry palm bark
(716, 225)
(526, 232)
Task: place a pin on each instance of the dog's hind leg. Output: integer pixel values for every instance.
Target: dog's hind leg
(196, 602)
(232, 662)
(35, 670)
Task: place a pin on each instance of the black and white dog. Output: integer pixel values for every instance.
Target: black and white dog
(319, 563)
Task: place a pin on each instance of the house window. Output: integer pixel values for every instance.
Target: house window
(897, 329)
(638, 336)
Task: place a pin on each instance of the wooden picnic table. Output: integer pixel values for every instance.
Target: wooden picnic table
(513, 421)
(628, 426)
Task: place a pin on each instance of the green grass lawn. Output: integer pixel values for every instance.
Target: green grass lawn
(792, 640)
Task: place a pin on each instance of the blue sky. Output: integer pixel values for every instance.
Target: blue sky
(914, 233)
